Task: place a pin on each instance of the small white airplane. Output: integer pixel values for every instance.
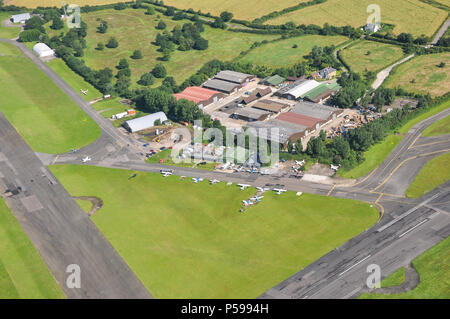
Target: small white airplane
(198, 179)
(335, 168)
(257, 198)
(73, 150)
(247, 202)
(300, 163)
(86, 159)
(243, 186)
(84, 92)
(166, 174)
(279, 191)
(214, 181)
(262, 189)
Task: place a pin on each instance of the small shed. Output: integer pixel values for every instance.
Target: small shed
(20, 18)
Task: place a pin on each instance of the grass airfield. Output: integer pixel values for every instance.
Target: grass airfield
(200, 245)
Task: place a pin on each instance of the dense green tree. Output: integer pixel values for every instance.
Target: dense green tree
(57, 24)
(226, 16)
(137, 54)
(123, 64)
(100, 46)
(112, 43)
(103, 27)
(146, 79)
(161, 25)
(159, 71)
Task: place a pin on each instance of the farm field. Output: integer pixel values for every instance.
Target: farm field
(23, 273)
(422, 74)
(74, 80)
(201, 246)
(434, 173)
(42, 114)
(136, 31)
(57, 3)
(8, 33)
(411, 16)
(371, 56)
(433, 267)
(282, 54)
(441, 127)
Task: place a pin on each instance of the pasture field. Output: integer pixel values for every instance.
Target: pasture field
(42, 114)
(8, 32)
(422, 74)
(136, 31)
(371, 56)
(434, 173)
(74, 80)
(433, 267)
(282, 54)
(56, 3)
(23, 273)
(201, 246)
(441, 127)
(411, 16)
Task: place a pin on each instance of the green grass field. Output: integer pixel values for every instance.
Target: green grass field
(433, 267)
(8, 32)
(57, 3)
(371, 56)
(136, 31)
(441, 127)
(74, 80)
(422, 74)
(411, 16)
(201, 246)
(379, 152)
(43, 115)
(23, 273)
(373, 157)
(282, 54)
(433, 174)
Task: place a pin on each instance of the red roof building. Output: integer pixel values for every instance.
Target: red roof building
(200, 96)
(300, 119)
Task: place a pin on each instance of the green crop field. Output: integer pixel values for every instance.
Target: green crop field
(422, 74)
(411, 16)
(136, 31)
(434, 173)
(8, 32)
(201, 246)
(23, 273)
(433, 267)
(45, 117)
(441, 127)
(371, 56)
(74, 80)
(282, 54)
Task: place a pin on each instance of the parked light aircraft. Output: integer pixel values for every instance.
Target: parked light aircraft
(196, 180)
(279, 191)
(214, 181)
(86, 159)
(243, 186)
(335, 168)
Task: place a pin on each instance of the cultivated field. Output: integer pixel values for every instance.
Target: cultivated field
(412, 16)
(136, 31)
(433, 267)
(23, 273)
(439, 128)
(282, 54)
(201, 246)
(422, 74)
(57, 3)
(43, 115)
(434, 173)
(371, 56)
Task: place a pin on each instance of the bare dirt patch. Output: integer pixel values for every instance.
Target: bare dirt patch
(97, 203)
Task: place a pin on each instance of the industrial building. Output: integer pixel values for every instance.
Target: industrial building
(271, 106)
(278, 131)
(144, 122)
(300, 90)
(20, 18)
(322, 93)
(253, 97)
(222, 86)
(200, 96)
(250, 114)
(42, 50)
(273, 80)
(234, 77)
(322, 112)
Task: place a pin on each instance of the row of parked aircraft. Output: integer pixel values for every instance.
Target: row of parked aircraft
(263, 189)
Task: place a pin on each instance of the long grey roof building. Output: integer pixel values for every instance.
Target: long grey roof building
(144, 122)
(222, 86)
(318, 111)
(234, 77)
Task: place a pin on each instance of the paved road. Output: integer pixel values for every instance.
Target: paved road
(62, 233)
(382, 75)
(441, 32)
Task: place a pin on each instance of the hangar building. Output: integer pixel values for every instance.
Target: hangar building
(144, 122)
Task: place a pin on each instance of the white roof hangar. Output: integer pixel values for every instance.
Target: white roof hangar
(22, 17)
(301, 89)
(42, 50)
(144, 122)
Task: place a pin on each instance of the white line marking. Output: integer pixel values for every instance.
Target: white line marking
(407, 213)
(354, 265)
(411, 229)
